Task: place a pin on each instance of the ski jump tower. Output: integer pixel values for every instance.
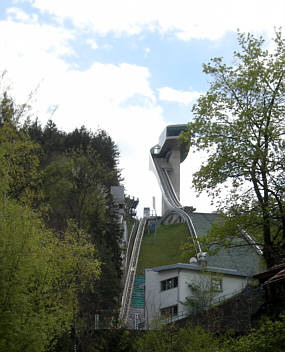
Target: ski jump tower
(165, 159)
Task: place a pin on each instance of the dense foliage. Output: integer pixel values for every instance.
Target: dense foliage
(202, 293)
(59, 233)
(41, 277)
(269, 337)
(169, 338)
(240, 123)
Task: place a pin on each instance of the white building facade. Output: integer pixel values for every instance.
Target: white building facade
(167, 287)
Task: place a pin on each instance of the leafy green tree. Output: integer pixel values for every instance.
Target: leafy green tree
(20, 177)
(100, 142)
(171, 339)
(74, 186)
(159, 340)
(202, 293)
(119, 340)
(43, 273)
(54, 143)
(50, 139)
(240, 123)
(195, 339)
(269, 337)
(40, 278)
(67, 176)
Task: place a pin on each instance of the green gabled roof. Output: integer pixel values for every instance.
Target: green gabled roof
(165, 248)
(242, 258)
(203, 221)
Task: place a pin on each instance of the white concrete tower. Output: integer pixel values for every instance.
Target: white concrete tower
(166, 157)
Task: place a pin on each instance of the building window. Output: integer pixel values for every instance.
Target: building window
(169, 283)
(169, 311)
(217, 284)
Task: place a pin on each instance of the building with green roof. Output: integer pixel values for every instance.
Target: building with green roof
(166, 283)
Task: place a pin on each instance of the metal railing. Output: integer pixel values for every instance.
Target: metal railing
(130, 279)
(130, 246)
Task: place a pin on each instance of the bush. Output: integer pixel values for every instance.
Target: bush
(269, 337)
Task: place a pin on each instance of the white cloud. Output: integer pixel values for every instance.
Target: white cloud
(30, 38)
(146, 51)
(14, 13)
(173, 95)
(92, 43)
(187, 19)
(99, 97)
(31, 53)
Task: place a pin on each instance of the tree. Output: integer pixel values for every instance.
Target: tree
(66, 179)
(200, 302)
(55, 142)
(20, 177)
(76, 184)
(240, 123)
(41, 276)
(74, 187)
(42, 273)
(269, 337)
(203, 291)
(169, 338)
(100, 142)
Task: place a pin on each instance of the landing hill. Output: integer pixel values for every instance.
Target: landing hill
(162, 248)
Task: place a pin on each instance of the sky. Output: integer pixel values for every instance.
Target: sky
(130, 67)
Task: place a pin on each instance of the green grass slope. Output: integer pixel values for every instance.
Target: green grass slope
(164, 249)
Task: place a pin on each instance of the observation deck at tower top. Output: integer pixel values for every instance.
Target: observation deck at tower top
(168, 140)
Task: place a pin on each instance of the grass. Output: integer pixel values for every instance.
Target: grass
(164, 249)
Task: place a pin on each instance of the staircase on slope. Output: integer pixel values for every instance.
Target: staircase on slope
(136, 313)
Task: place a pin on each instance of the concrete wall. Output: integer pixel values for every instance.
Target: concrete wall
(230, 283)
(155, 299)
(174, 174)
(174, 161)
